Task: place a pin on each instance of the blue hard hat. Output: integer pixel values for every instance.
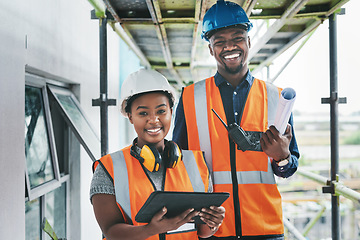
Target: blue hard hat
(224, 14)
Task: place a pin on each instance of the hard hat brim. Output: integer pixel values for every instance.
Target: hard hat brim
(125, 102)
(144, 81)
(210, 33)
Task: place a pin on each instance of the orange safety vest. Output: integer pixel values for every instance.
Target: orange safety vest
(189, 175)
(260, 200)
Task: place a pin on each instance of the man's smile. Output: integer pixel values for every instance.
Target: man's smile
(232, 56)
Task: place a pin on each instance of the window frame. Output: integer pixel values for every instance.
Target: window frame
(44, 188)
(73, 126)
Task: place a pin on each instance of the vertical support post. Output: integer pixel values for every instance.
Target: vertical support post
(103, 100)
(334, 125)
(334, 101)
(103, 86)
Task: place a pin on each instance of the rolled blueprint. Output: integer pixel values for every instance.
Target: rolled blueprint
(283, 112)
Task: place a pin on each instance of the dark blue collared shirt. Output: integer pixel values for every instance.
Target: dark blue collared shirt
(234, 101)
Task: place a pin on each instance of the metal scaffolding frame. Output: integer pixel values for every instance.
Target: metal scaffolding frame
(332, 186)
(103, 102)
(334, 101)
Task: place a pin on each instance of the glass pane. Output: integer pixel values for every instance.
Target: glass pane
(56, 211)
(61, 135)
(77, 120)
(32, 220)
(37, 148)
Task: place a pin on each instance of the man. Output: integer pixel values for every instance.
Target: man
(253, 210)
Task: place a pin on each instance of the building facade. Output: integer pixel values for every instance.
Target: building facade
(49, 76)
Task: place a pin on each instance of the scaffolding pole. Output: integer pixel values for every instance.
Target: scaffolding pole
(334, 100)
(103, 100)
(334, 122)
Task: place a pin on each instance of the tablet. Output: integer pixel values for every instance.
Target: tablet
(178, 202)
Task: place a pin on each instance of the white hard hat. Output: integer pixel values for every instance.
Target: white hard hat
(142, 81)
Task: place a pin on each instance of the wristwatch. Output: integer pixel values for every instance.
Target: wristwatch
(283, 162)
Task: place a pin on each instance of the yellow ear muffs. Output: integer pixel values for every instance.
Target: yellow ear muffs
(151, 158)
(172, 154)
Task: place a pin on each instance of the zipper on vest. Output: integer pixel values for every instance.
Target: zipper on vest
(151, 181)
(163, 181)
(162, 236)
(235, 189)
(233, 170)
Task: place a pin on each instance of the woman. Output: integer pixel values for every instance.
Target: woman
(151, 163)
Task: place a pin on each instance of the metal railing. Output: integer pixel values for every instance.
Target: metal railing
(339, 189)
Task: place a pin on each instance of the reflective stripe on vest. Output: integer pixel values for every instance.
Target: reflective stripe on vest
(121, 180)
(201, 120)
(193, 171)
(246, 177)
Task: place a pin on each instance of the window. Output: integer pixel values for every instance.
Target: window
(42, 173)
(76, 119)
(54, 126)
(52, 206)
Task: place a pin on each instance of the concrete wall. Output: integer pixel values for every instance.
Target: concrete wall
(55, 39)
(12, 152)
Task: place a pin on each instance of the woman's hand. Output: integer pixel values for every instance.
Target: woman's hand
(113, 224)
(161, 224)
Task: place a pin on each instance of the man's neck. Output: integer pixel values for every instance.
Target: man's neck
(234, 79)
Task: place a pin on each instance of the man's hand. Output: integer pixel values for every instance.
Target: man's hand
(213, 216)
(276, 145)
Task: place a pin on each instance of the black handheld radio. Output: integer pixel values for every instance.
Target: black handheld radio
(238, 135)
